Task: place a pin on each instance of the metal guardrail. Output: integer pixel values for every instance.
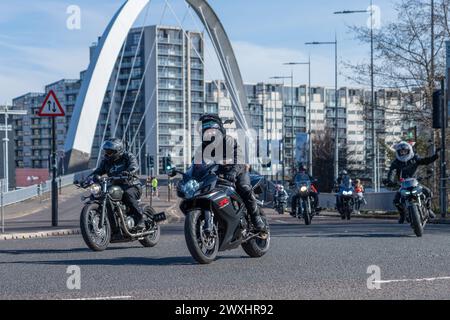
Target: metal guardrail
(40, 189)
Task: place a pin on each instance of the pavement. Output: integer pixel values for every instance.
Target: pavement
(329, 259)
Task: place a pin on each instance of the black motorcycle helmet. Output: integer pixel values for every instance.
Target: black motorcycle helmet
(113, 149)
(344, 173)
(302, 168)
(208, 122)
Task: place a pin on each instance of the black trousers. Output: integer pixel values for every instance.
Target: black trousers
(314, 203)
(245, 191)
(131, 197)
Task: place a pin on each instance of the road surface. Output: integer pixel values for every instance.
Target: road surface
(327, 260)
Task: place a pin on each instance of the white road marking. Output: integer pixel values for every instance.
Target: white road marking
(102, 298)
(280, 221)
(413, 280)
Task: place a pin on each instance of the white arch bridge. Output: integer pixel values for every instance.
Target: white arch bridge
(89, 102)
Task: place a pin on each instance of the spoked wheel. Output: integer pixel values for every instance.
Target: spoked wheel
(96, 238)
(152, 239)
(258, 246)
(203, 247)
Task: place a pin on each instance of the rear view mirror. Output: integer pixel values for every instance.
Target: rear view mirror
(258, 189)
(172, 173)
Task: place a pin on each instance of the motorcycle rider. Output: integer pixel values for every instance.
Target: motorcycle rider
(342, 177)
(405, 166)
(280, 194)
(303, 172)
(117, 162)
(215, 138)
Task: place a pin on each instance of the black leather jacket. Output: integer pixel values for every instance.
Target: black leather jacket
(234, 168)
(127, 162)
(408, 169)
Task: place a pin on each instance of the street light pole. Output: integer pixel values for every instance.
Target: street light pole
(309, 122)
(375, 163)
(292, 111)
(6, 165)
(336, 98)
(281, 146)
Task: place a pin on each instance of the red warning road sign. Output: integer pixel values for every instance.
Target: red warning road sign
(51, 107)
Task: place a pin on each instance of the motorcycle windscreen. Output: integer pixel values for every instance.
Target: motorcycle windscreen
(198, 171)
(302, 180)
(409, 183)
(347, 183)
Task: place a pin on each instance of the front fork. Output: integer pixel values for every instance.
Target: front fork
(209, 221)
(103, 215)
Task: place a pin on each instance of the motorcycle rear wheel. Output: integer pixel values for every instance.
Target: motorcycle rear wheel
(203, 253)
(96, 239)
(257, 247)
(152, 239)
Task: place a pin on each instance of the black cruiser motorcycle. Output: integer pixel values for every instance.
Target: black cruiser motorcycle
(106, 219)
(216, 217)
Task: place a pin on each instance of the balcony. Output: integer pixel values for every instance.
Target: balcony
(199, 77)
(170, 52)
(170, 98)
(170, 40)
(170, 86)
(171, 120)
(195, 65)
(197, 88)
(171, 75)
(197, 99)
(166, 63)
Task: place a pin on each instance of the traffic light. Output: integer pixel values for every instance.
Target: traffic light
(169, 163)
(437, 109)
(150, 161)
(164, 163)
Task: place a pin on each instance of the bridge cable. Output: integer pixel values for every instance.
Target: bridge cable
(138, 47)
(148, 105)
(111, 102)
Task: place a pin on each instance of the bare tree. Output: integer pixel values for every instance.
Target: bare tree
(403, 54)
(323, 158)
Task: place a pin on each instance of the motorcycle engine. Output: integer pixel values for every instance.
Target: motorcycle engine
(130, 222)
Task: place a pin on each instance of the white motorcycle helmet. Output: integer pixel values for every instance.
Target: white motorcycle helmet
(404, 151)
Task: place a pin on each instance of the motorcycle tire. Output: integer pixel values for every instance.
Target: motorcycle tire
(306, 212)
(256, 247)
(152, 239)
(416, 221)
(192, 229)
(87, 228)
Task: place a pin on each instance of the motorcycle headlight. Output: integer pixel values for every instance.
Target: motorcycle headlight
(405, 193)
(190, 188)
(95, 189)
(303, 189)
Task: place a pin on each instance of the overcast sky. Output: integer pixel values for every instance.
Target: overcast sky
(36, 48)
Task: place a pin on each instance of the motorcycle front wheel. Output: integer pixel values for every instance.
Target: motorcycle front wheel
(203, 248)
(96, 238)
(416, 221)
(306, 211)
